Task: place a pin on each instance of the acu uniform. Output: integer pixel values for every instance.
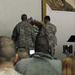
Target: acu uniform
(50, 30)
(23, 35)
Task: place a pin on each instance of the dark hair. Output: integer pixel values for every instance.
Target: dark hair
(7, 48)
(24, 17)
(42, 44)
(47, 18)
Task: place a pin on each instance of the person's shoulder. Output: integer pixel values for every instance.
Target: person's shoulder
(8, 71)
(30, 25)
(22, 23)
(52, 24)
(24, 61)
(27, 24)
(18, 25)
(22, 64)
(13, 72)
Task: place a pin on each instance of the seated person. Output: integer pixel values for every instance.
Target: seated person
(7, 56)
(69, 65)
(22, 53)
(41, 62)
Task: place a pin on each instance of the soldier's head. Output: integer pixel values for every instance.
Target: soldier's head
(24, 17)
(42, 45)
(46, 19)
(7, 50)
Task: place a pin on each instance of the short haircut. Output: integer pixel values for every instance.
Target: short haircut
(24, 17)
(7, 48)
(22, 53)
(47, 18)
(42, 44)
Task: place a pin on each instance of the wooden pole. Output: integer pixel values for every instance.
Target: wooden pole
(43, 9)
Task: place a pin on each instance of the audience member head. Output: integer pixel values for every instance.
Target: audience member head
(7, 50)
(69, 65)
(24, 17)
(46, 19)
(42, 44)
(22, 53)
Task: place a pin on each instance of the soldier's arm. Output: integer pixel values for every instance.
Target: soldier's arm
(52, 28)
(32, 33)
(55, 29)
(15, 34)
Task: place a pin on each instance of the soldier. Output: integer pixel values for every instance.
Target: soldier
(7, 56)
(23, 34)
(35, 27)
(49, 30)
(41, 62)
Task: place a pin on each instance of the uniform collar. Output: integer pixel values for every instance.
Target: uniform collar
(41, 55)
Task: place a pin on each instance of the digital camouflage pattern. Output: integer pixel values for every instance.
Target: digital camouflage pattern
(23, 35)
(8, 71)
(50, 30)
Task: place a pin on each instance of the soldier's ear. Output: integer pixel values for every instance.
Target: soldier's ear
(16, 58)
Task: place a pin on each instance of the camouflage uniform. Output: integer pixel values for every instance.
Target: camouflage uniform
(8, 71)
(50, 30)
(36, 31)
(23, 35)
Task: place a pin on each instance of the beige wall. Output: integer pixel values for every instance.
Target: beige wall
(11, 11)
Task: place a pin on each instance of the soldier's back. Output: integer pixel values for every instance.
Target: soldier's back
(25, 35)
(51, 30)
